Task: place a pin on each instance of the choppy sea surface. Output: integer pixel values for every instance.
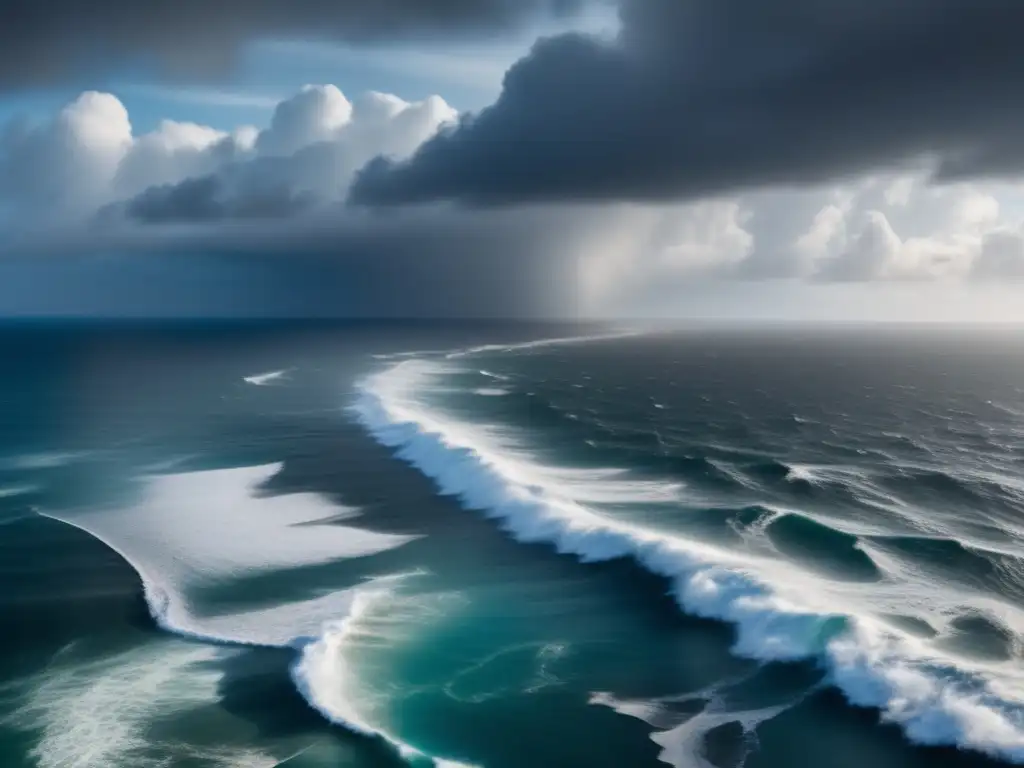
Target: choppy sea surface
(508, 546)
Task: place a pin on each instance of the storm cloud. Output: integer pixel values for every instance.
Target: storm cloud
(264, 210)
(698, 97)
(47, 41)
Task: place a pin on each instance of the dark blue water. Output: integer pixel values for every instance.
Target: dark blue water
(296, 544)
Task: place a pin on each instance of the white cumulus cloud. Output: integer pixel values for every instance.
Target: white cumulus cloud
(87, 156)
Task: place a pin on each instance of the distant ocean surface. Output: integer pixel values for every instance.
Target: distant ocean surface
(509, 546)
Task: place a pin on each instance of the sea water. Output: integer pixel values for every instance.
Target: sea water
(510, 545)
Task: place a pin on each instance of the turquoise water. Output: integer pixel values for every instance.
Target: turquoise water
(320, 546)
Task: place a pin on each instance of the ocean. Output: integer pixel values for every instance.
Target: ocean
(510, 545)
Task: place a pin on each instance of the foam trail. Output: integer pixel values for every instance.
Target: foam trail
(262, 379)
(487, 348)
(681, 736)
(775, 608)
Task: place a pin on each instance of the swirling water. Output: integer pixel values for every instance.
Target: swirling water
(316, 546)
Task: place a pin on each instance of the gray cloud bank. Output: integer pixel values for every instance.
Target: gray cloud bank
(416, 264)
(698, 97)
(47, 41)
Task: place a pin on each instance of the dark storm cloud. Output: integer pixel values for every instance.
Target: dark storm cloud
(206, 199)
(42, 41)
(699, 96)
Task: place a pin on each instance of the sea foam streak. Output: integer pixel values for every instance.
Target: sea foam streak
(262, 379)
(773, 606)
(197, 528)
(681, 736)
(538, 343)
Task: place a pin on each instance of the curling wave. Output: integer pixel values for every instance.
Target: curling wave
(773, 605)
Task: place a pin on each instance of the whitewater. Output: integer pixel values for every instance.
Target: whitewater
(780, 612)
(193, 530)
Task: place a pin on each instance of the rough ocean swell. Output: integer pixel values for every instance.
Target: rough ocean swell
(855, 521)
(862, 631)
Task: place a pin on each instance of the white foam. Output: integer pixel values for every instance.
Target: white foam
(98, 713)
(823, 473)
(683, 745)
(650, 711)
(323, 674)
(779, 611)
(504, 455)
(801, 472)
(201, 528)
(262, 379)
(490, 392)
(682, 735)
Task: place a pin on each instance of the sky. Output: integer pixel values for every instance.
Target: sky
(805, 160)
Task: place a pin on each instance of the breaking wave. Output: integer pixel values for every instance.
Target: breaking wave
(780, 611)
(184, 534)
